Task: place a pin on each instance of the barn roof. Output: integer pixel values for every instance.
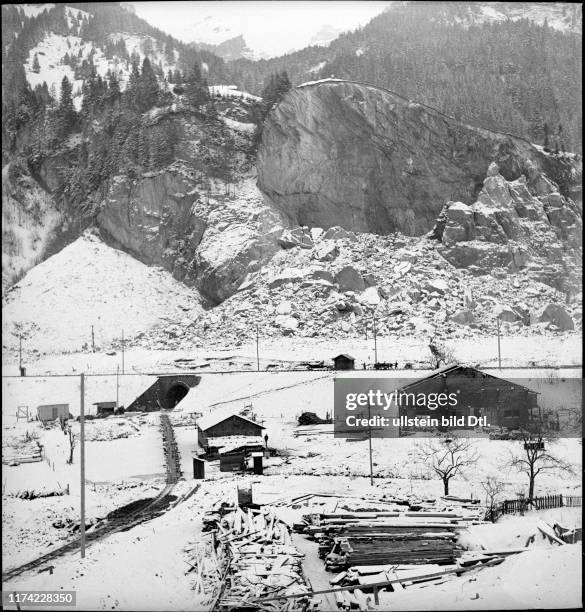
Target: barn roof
(210, 420)
(344, 355)
(451, 367)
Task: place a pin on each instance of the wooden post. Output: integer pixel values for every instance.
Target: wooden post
(376, 598)
(122, 351)
(82, 460)
(92, 340)
(117, 385)
(20, 353)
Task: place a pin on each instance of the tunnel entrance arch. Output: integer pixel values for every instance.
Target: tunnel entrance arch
(175, 394)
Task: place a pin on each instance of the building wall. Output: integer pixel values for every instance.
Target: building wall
(50, 412)
(232, 463)
(233, 426)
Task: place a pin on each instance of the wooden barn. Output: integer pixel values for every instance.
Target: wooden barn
(344, 362)
(505, 403)
(231, 425)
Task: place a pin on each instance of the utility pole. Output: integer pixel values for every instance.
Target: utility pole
(375, 342)
(122, 351)
(20, 353)
(370, 444)
(257, 348)
(92, 341)
(499, 350)
(82, 459)
(117, 385)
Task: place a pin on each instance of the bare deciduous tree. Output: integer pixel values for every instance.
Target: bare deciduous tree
(533, 457)
(447, 457)
(493, 488)
(73, 439)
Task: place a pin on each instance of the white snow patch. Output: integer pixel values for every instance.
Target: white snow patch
(328, 80)
(248, 128)
(231, 91)
(32, 10)
(317, 67)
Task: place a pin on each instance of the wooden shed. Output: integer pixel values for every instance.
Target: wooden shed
(103, 408)
(50, 412)
(344, 362)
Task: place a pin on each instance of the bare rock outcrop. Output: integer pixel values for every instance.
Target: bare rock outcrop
(338, 153)
(512, 226)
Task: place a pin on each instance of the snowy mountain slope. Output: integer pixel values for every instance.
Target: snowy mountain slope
(89, 283)
(562, 16)
(52, 50)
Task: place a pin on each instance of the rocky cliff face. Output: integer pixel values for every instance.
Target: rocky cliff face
(348, 154)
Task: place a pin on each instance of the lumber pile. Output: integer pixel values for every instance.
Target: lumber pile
(260, 560)
(386, 537)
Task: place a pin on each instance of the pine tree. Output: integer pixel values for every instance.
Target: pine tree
(148, 89)
(36, 67)
(196, 90)
(66, 111)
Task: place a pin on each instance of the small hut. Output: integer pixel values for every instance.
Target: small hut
(344, 362)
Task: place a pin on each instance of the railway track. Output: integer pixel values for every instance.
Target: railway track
(123, 518)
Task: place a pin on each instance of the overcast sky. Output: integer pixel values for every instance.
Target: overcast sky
(269, 27)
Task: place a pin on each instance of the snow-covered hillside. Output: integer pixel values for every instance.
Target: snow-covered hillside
(562, 16)
(51, 52)
(89, 283)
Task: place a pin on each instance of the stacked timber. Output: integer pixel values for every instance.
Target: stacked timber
(259, 559)
(388, 537)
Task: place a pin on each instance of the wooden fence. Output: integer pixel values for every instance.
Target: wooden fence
(519, 506)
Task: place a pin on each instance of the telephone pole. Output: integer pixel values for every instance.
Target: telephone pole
(20, 353)
(257, 348)
(375, 342)
(499, 350)
(370, 444)
(122, 351)
(82, 460)
(117, 385)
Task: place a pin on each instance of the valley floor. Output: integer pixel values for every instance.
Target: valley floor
(148, 566)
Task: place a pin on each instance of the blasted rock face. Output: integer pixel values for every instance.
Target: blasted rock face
(345, 154)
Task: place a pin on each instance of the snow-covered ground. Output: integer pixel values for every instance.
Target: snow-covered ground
(124, 462)
(89, 283)
(548, 352)
(231, 91)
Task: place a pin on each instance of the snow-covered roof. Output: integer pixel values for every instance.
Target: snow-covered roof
(209, 420)
(227, 444)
